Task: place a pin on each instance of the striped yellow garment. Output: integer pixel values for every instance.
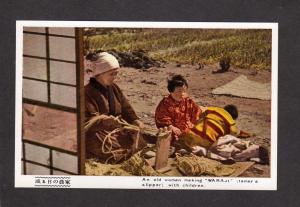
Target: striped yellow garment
(214, 123)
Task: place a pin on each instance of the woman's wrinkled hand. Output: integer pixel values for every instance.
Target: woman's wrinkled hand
(140, 124)
(109, 122)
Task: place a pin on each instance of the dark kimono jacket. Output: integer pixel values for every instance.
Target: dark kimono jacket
(109, 101)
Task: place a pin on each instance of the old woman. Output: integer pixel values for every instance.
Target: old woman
(104, 97)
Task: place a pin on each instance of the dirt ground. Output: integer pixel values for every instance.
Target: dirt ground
(49, 126)
(145, 88)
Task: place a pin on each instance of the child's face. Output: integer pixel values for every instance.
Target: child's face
(179, 92)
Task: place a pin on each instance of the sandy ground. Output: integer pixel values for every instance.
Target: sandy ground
(145, 88)
(50, 126)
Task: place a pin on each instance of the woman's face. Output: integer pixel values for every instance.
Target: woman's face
(179, 93)
(108, 77)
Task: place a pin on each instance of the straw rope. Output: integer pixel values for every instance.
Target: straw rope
(107, 138)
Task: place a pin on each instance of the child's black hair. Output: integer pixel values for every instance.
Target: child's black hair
(176, 81)
(232, 110)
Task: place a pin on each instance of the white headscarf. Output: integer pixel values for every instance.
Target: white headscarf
(104, 63)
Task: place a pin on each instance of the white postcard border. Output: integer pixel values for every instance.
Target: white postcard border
(134, 182)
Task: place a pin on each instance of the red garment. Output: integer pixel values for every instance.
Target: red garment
(181, 114)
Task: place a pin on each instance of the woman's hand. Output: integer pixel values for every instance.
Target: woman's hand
(138, 123)
(109, 122)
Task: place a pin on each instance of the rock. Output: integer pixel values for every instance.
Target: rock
(148, 82)
(200, 66)
(225, 64)
(178, 65)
